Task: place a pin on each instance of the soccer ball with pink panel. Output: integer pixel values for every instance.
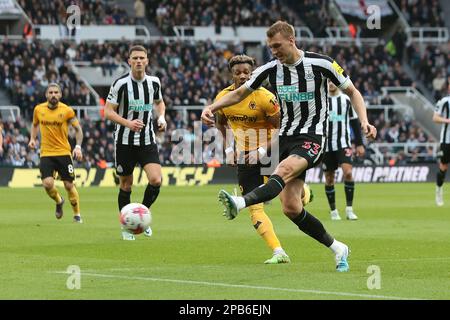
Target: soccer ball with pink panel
(135, 218)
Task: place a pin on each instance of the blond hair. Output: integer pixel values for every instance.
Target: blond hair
(282, 27)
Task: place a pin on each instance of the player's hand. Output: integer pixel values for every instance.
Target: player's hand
(360, 151)
(230, 157)
(136, 125)
(254, 157)
(162, 124)
(77, 154)
(32, 144)
(208, 116)
(369, 130)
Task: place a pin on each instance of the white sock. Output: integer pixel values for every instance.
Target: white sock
(336, 246)
(278, 250)
(348, 208)
(240, 203)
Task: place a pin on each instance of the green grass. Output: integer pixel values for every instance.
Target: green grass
(195, 253)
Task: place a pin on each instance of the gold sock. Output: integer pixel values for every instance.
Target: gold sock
(54, 194)
(263, 225)
(74, 200)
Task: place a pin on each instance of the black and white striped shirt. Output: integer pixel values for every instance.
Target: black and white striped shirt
(135, 100)
(302, 90)
(340, 112)
(443, 109)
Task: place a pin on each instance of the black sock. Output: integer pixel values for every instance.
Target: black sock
(440, 177)
(331, 196)
(349, 187)
(313, 228)
(124, 198)
(266, 192)
(150, 195)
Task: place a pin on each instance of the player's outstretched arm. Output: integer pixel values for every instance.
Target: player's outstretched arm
(226, 101)
(111, 114)
(358, 104)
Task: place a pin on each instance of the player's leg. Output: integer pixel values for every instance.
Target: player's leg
(286, 170)
(67, 173)
(148, 158)
(296, 154)
(124, 198)
(125, 186)
(329, 166)
(440, 176)
(346, 163)
(47, 168)
(306, 222)
(307, 194)
(149, 161)
(74, 199)
(249, 178)
(125, 162)
(154, 177)
(349, 187)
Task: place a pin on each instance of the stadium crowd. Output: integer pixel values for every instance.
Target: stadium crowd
(189, 71)
(27, 68)
(98, 144)
(422, 13)
(229, 13)
(92, 12)
(433, 67)
(192, 73)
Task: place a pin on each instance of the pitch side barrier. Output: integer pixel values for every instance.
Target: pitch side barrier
(199, 175)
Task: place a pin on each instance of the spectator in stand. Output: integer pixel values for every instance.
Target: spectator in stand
(139, 12)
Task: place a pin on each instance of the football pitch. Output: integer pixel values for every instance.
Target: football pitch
(400, 248)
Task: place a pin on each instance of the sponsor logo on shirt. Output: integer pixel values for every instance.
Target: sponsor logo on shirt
(291, 94)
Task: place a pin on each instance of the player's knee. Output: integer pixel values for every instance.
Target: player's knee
(126, 184)
(284, 170)
(155, 181)
(48, 184)
(292, 209)
(68, 185)
(348, 176)
(329, 178)
(125, 187)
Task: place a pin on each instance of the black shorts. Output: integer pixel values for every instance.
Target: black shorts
(62, 165)
(307, 146)
(249, 177)
(444, 153)
(333, 159)
(128, 156)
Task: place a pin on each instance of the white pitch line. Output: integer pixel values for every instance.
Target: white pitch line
(228, 285)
